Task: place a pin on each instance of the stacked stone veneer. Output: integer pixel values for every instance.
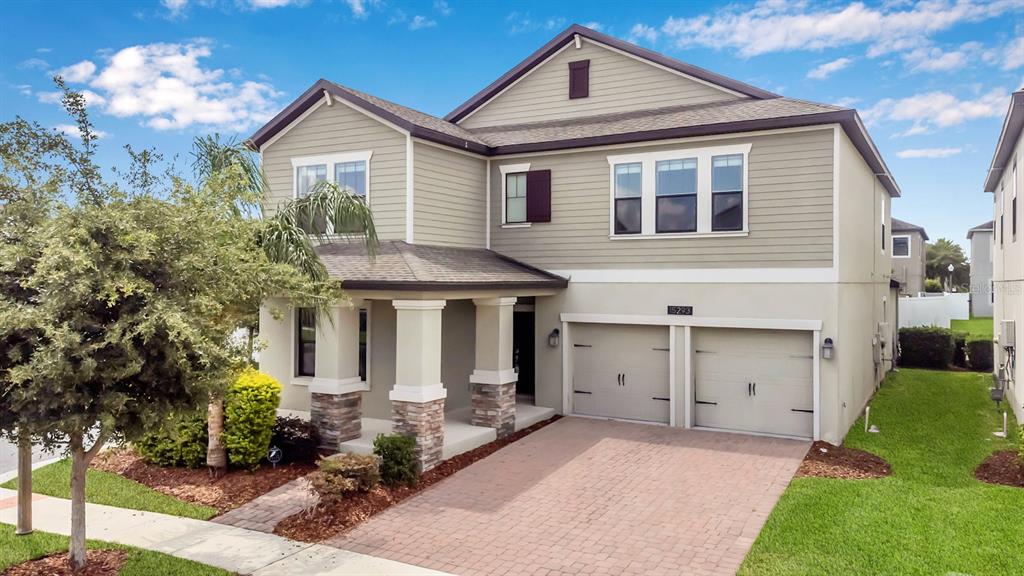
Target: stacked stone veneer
(423, 421)
(494, 406)
(338, 417)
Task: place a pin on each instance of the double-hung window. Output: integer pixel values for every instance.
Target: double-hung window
(305, 342)
(727, 193)
(515, 198)
(628, 198)
(675, 190)
(351, 177)
(525, 195)
(307, 177)
(348, 170)
(901, 246)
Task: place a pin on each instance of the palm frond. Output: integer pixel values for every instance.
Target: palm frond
(330, 212)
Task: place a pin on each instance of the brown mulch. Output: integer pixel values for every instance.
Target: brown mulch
(826, 460)
(322, 522)
(1003, 467)
(98, 563)
(196, 485)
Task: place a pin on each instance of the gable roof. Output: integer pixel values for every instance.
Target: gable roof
(1013, 124)
(986, 227)
(903, 226)
(568, 35)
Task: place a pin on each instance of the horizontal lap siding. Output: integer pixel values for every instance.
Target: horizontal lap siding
(618, 83)
(449, 198)
(790, 212)
(337, 129)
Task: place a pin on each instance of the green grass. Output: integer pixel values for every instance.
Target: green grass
(976, 327)
(113, 490)
(17, 549)
(930, 517)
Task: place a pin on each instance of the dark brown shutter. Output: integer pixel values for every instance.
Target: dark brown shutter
(538, 196)
(579, 79)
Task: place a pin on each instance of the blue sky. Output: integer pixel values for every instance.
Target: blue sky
(931, 78)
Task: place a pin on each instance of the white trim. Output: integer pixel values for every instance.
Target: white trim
(417, 394)
(480, 376)
(700, 275)
(330, 160)
(505, 170)
(518, 225)
(335, 386)
(885, 231)
(664, 235)
(304, 381)
(327, 97)
(671, 375)
(688, 377)
(410, 205)
(910, 249)
(301, 414)
(499, 301)
(566, 345)
(290, 125)
(487, 206)
(816, 382)
(704, 157)
(418, 304)
(699, 321)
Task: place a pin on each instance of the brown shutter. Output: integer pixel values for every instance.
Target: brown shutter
(579, 79)
(538, 196)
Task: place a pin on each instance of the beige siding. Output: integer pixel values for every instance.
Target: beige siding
(909, 272)
(450, 197)
(618, 83)
(790, 212)
(336, 129)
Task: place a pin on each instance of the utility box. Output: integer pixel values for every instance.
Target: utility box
(884, 333)
(1008, 334)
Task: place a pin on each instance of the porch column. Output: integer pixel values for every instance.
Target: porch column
(494, 379)
(336, 391)
(417, 400)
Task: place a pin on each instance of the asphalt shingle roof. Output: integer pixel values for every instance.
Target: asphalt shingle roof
(904, 226)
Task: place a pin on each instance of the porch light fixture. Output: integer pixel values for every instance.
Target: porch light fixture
(553, 338)
(826, 349)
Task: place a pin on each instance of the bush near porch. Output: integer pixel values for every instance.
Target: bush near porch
(932, 516)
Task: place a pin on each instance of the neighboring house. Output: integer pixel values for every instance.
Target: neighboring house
(1005, 180)
(981, 269)
(602, 231)
(908, 256)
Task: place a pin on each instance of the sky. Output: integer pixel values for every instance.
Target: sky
(931, 79)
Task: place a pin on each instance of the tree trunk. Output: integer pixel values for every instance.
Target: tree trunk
(216, 454)
(79, 464)
(24, 485)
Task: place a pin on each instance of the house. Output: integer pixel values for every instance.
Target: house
(1004, 182)
(908, 256)
(982, 297)
(602, 231)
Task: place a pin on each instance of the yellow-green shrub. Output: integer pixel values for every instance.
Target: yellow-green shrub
(250, 410)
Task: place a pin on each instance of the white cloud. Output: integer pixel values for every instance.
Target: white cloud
(72, 130)
(174, 8)
(519, 22)
(261, 4)
(358, 8)
(442, 7)
(44, 50)
(828, 68)
(643, 32)
(933, 110)
(76, 73)
(593, 25)
(1014, 54)
(929, 152)
(846, 102)
(91, 98)
(33, 64)
(418, 22)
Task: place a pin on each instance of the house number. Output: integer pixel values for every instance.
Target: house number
(680, 310)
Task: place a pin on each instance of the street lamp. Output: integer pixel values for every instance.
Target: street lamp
(950, 268)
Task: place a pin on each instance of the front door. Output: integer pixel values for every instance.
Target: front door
(523, 350)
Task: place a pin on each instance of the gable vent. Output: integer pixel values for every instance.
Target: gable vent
(579, 79)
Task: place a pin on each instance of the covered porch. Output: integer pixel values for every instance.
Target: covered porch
(425, 347)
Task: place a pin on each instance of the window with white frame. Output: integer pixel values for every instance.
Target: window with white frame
(351, 176)
(515, 197)
(901, 246)
(1013, 202)
(678, 193)
(349, 170)
(307, 177)
(882, 218)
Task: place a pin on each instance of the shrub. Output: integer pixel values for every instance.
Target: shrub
(979, 355)
(181, 442)
(250, 411)
(344, 474)
(298, 439)
(960, 349)
(926, 347)
(397, 455)
(933, 285)
(1020, 443)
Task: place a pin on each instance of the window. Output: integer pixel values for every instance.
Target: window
(727, 192)
(675, 188)
(305, 336)
(364, 337)
(901, 246)
(1013, 203)
(628, 201)
(1002, 212)
(515, 198)
(882, 218)
(351, 176)
(306, 178)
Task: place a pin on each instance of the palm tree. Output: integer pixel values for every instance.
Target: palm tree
(287, 237)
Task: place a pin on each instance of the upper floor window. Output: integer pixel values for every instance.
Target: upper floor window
(882, 218)
(351, 176)
(901, 246)
(675, 188)
(727, 192)
(515, 197)
(305, 342)
(349, 170)
(526, 195)
(628, 202)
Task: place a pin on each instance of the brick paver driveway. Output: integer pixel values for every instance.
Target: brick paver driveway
(585, 496)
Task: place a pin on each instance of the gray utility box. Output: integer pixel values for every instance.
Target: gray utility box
(1007, 334)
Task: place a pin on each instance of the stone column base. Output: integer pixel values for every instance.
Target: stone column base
(423, 421)
(338, 417)
(494, 406)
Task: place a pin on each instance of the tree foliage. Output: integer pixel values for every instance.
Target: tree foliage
(939, 255)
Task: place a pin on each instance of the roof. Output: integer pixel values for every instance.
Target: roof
(1008, 138)
(566, 36)
(402, 266)
(903, 226)
(986, 227)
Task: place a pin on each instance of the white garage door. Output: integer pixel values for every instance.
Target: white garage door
(754, 380)
(620, 371)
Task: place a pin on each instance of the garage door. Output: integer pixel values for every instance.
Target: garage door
(621, 371)
(754, 380)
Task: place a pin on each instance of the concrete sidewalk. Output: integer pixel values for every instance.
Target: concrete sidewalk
(235, 549)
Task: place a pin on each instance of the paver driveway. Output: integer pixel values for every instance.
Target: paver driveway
(585, 496)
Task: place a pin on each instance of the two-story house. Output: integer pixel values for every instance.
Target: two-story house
(1005, 179)
(982, 298)
(602, 231)
(908, 256)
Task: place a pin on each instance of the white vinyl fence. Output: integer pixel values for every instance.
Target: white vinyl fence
(935, 310)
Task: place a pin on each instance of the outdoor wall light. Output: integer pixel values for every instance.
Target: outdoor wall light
(826, 349)
(553, 338)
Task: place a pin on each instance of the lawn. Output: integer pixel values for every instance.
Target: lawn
(976, 327)
(112, 489)
(17, 549)
(930, 517)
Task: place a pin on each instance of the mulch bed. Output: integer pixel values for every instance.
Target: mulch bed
(322, 522)
(1002, 467)
(98, 563)
(826, 460)
(196, 485)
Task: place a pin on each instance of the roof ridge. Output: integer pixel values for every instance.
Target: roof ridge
(412, 261)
